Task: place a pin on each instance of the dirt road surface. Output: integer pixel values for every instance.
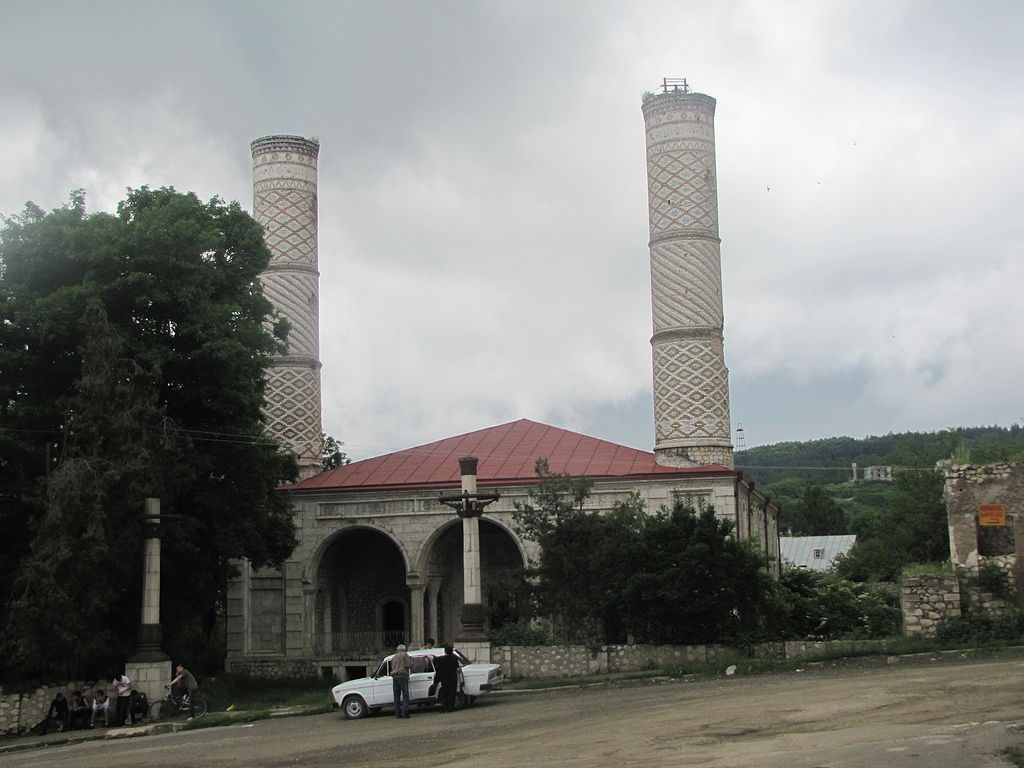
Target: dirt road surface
(937, 714)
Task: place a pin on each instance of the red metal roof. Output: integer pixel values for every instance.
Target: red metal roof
(507, 454)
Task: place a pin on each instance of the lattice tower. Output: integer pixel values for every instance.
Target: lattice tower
(284, 170)
(691, 382)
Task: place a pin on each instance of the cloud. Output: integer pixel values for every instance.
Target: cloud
(483, 233)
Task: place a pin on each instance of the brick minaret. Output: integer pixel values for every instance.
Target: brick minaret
(285, 203)
(691, 382)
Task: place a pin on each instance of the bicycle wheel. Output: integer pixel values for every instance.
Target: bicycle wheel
(200, 703)
(156, 711)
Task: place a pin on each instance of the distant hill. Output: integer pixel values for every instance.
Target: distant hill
(828, 461)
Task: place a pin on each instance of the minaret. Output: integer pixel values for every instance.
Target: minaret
(691, 382)
(284, 202)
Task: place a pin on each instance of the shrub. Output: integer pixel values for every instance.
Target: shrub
(520, 634)
(980, 628)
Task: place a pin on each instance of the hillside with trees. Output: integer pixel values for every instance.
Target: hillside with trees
(897, 523)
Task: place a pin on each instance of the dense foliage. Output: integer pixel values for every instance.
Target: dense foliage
(132, 357)
(980, 628)
(829, 461)
(678, 576)
(823, 606)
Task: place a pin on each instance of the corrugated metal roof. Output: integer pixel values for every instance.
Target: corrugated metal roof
(507, 454)
(818, 553)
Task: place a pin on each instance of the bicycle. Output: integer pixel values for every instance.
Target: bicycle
(173, 705)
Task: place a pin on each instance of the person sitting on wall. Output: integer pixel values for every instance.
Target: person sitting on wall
(78, 711)
(138, 705)
(58, 713)
(100, 704)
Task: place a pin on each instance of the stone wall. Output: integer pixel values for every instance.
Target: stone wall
(20, 712)
(928, 600)
(519, 662)
(275, 668)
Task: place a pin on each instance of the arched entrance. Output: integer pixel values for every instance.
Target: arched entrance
(502, 567)
(362, 601)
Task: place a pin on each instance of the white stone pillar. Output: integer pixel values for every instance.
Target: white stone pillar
(416, 589)
(433, 594)
(151, 577)
(149, 668)
(472, 594)
(284, 172)
(691, 382)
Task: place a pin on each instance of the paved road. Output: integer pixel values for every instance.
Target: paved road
(931, 715)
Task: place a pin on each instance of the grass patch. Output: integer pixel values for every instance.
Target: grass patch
(1015, 755)
(925, 569)
(253, 694)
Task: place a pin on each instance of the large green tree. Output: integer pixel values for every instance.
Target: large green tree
(816, 514)
(133, 349)
(677, 576)
(912, 529)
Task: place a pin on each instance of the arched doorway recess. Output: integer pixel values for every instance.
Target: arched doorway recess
(362, 601)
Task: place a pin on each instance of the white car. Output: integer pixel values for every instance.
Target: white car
(357, 698)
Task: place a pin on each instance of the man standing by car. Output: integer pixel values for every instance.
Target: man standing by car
(446, 669)
(401, 666)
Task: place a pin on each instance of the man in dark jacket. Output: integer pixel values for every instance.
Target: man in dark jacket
(58, 712)
(446, 674)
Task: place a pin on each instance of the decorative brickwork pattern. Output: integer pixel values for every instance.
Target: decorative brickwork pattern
(293, 414)
(285, 203)
(695, 374)
(686, 285)
(691, 382)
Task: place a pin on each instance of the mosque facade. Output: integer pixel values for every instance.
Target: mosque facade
(380, 558)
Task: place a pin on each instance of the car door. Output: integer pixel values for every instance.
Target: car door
(382, 691)
(421, 678)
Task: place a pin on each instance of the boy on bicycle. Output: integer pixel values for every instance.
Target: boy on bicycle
(186, 683)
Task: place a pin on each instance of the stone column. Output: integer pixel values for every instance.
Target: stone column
(691, 382)
(285, 203)
(416, 588)
(150, 668)
(472, 594)
(434, 593)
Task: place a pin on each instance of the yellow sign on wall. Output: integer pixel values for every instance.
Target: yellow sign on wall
(992, 514)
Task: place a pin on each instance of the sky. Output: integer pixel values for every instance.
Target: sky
(483, 196)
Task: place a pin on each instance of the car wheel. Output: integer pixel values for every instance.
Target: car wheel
(353, 707)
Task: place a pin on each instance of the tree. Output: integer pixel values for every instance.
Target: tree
(823, 606)
(690, 580)
(133, 349)
(816, 514)
(333, 456)
(677, 576)
(913, 529)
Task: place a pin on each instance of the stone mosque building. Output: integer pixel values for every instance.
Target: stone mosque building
(380, 558)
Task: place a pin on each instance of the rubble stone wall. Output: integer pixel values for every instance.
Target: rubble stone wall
(20, 712)
(928, 600)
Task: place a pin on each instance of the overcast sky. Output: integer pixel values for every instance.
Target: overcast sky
(483, 199)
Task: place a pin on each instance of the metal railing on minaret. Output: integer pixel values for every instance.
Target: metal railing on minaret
(284, 170)
(691, 382)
